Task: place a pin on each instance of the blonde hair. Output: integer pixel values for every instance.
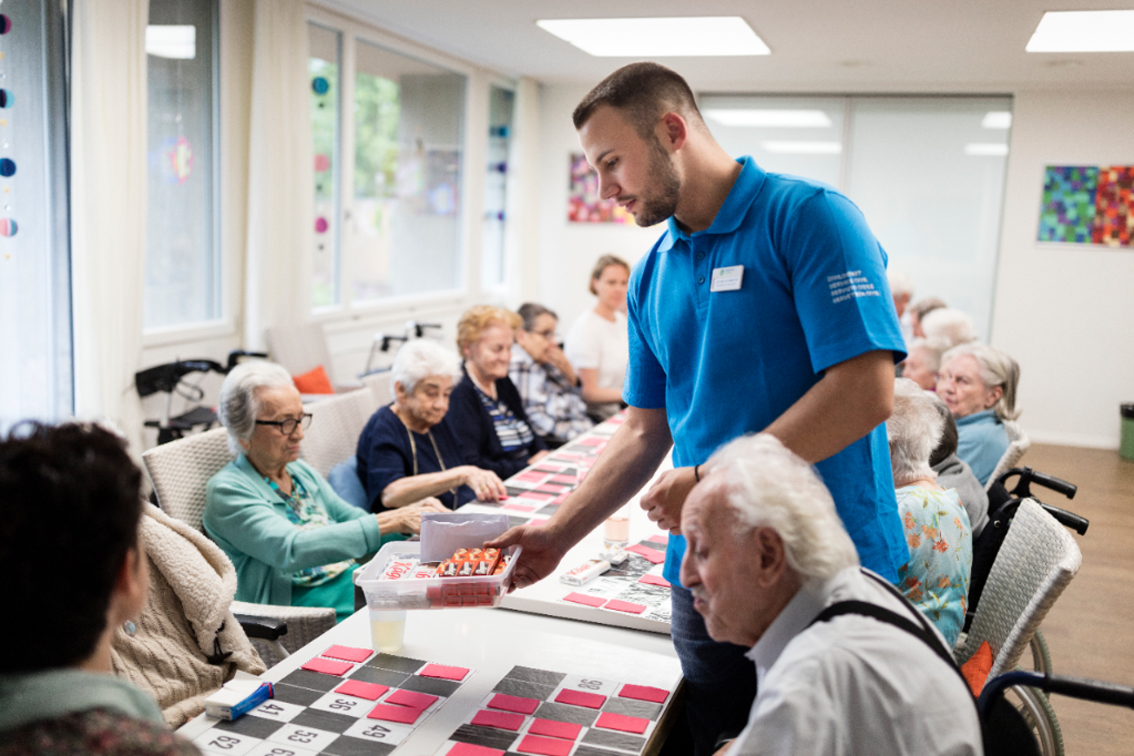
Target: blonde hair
(996, 369)
(477, 319)
(602, 264)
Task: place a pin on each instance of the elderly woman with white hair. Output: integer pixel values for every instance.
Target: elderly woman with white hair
(408, 450)
(938, 532)
(291, 538)
(978, 385)
(923, 358)
(947, 327)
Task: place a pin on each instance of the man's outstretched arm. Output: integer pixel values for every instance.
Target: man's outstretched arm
(629, 460)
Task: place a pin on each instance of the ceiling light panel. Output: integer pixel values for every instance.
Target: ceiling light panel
(1084, 31)
(658, 37)
(804, 119)
(997, 119)
(178, 42)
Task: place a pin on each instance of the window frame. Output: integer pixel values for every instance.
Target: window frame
(473, 153)
(225, 263)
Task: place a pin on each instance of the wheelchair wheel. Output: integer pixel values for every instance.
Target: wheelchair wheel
(1039, 716)
(1041, 656)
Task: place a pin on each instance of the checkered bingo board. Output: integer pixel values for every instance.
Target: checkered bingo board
(351, 701)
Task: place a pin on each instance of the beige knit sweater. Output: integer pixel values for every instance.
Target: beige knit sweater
(186, 619)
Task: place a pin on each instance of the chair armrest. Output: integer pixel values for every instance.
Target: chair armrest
(265, 628)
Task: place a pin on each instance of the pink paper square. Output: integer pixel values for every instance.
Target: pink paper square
(530, 476)
(625, 606)
(505, 720)
(553, 729)
(584, 599)
(611, 721)
(654, 580)
(541, 497)
(445, 673)
(545, 746)
(328, 667)
(591, 441)
(411, 699)
(537, 523)
(581, 698)
(513, 703)
(659, 538)
(468, 749)
(359, 689)
(643, 693)
(347, 653)
(653, 555)
(399, 714)
(516, 505)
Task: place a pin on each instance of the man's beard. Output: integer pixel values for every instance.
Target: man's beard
(663, 186)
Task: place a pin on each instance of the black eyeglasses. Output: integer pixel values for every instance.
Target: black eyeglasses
(287, 427)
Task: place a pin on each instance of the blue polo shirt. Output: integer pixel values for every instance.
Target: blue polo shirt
(812, 293)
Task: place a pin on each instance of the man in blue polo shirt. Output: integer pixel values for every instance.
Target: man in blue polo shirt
(764, 307)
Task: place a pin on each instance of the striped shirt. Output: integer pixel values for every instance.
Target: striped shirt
(514, 433)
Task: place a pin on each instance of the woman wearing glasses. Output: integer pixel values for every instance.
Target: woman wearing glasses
(545, 379)
(292, 539)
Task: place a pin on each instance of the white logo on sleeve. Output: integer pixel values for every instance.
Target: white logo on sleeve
(851, 284)
(727, 279)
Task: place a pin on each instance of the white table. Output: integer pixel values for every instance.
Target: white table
(490, 642)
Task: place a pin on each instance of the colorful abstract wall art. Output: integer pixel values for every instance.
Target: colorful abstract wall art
(583, 203)
(1088, 205)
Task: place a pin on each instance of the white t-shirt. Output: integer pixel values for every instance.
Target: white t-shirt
(597, 343)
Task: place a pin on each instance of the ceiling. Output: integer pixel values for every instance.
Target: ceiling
(817, 45)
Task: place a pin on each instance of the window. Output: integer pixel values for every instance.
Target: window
(927, 172)
(35, 282)
(182, 278)
(400, 217)
(501, 107)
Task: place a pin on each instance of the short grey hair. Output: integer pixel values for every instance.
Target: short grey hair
(238, 406)
(767, 485)
(914, 430)
(420, 358)
(900, 283)
(996, 369)
(932, 348)
(948, 326)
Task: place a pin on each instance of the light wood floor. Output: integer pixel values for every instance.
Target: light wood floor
(1090, 630)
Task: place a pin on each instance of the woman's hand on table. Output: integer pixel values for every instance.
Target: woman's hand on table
(485, 484)
(407, 519)
(542, 553)
(666, 497)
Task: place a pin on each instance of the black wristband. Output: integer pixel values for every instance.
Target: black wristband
(697, 473)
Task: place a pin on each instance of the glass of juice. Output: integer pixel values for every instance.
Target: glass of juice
(387, 630)
(616, 529)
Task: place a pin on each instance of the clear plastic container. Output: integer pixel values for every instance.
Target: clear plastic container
(430, 593)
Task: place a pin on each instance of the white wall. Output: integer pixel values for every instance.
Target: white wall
(567, 251)
(1065, 311)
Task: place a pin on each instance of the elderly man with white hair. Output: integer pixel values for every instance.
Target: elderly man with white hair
(770, 566)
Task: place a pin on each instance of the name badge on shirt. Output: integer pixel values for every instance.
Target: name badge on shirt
(727, 279)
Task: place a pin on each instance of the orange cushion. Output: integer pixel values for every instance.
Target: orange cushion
(314, 382)
(978, 666)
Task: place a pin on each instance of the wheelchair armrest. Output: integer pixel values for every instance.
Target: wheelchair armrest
(264, 628)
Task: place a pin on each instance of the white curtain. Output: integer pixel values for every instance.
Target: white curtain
(108, 207)
(280, 173)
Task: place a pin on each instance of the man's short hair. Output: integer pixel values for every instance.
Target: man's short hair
(69, 509)
(643, 92)
(767, 485)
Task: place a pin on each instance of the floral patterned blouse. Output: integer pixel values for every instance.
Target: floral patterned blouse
(936, 579)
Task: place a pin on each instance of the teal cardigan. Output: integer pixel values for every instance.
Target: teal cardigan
(248, 520)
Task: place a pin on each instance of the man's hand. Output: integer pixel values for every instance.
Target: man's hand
(667, 495)
(542, 553)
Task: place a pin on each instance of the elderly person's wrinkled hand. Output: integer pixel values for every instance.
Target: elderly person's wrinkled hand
(407, 519)
(485, 483)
